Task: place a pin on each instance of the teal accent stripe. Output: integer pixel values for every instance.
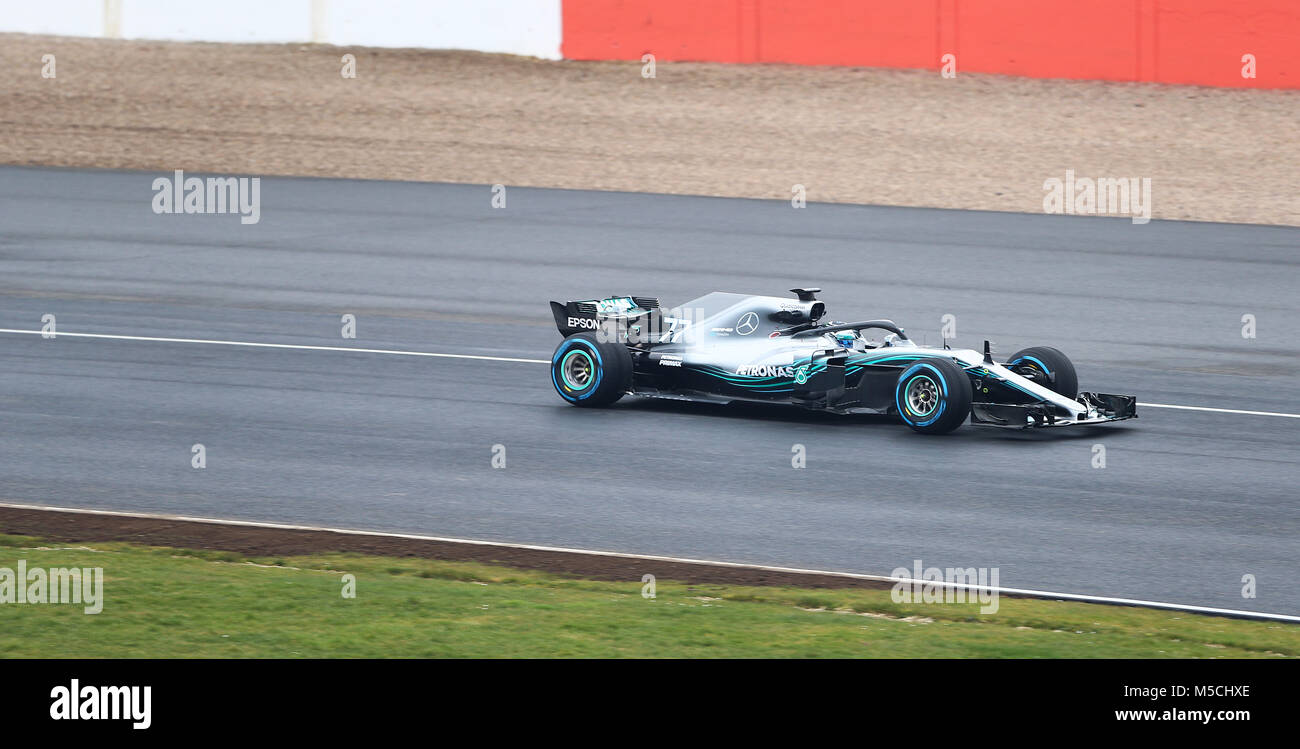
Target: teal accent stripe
(757, 383)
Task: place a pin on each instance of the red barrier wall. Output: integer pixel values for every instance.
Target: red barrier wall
(1167, 41)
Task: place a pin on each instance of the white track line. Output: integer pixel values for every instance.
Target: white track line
(1079, 597)
(294, 346)
(1220, 410)
(398, 352)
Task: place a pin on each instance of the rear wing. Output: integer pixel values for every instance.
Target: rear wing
(615, 313)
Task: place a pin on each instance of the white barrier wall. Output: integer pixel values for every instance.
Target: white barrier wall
(521, 27)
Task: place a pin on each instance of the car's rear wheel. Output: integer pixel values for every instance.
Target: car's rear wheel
(589, 372)
(933, 396)
(1048, 367)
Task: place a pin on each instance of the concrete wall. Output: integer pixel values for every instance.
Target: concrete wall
(522, 27)
(1166, 41)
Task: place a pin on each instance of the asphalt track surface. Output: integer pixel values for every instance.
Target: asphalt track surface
(1187, 504)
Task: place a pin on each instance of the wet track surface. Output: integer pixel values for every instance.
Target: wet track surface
(1187, 503)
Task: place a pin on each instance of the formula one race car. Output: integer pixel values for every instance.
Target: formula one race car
(726, 347)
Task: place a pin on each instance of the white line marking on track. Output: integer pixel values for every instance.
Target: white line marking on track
(293, 346)
(399, 352)
(1220, 410)
(1080, 597)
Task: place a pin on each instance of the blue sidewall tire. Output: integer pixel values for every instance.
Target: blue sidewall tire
(954, 396)
(611, 374)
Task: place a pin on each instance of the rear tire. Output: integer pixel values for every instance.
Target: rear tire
(1057, 367)
(589, 372)
(933, 396)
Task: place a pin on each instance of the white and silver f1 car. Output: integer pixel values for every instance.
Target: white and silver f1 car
(726, 347)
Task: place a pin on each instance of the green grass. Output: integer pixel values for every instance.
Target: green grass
(176, 603)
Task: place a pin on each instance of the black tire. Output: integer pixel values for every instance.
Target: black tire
(1048, 363)
(589, 372)
(933, 396)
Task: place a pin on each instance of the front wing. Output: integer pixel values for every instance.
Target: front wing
(1103, 408)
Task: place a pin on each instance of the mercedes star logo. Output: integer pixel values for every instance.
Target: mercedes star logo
(747, 323)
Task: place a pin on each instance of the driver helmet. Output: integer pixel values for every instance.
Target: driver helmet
(844, 338)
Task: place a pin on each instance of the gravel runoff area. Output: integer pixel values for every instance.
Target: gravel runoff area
(88, 527)
(846, 134)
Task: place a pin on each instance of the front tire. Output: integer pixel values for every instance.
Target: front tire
(933, 396)
(589, 372)
(1048, 367)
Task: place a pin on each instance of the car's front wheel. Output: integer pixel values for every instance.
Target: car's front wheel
(587, 371)
(933, 396)
(1048, 367)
